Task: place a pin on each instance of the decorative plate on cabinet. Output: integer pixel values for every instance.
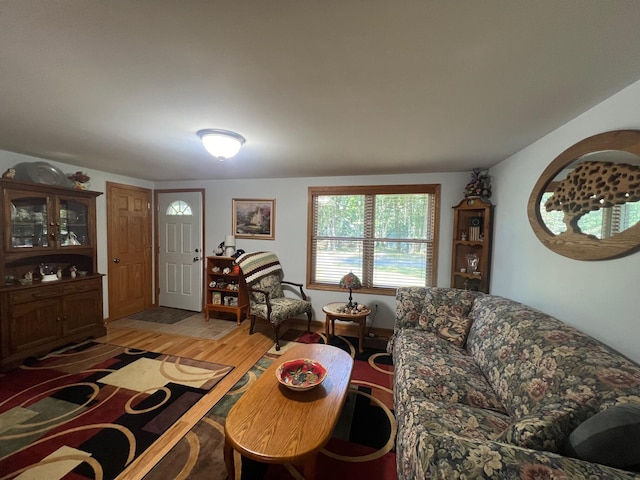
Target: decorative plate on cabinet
(42, 173)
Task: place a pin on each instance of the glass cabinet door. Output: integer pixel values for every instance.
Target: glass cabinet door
(29, 216)
(74, 227)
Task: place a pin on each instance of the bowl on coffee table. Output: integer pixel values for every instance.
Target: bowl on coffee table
(301, 374)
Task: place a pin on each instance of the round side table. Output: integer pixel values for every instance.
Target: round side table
(332, 314)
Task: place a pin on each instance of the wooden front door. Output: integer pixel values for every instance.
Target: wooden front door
(129, 249)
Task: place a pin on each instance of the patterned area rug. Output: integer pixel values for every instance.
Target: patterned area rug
(363, 441)
(90, 410)
(162, 315)
(193, 326)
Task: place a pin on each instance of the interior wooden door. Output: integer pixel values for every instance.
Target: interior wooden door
(129, 228)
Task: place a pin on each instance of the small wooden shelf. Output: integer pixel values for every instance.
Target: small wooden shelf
(468, 242)
(215, 295)
(468, 275)
(472, 217)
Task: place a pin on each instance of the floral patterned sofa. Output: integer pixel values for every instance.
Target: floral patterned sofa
(486, 387)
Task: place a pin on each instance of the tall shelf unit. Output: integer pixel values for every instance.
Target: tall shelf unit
(226, 288)
(51, 294)
(472, 239)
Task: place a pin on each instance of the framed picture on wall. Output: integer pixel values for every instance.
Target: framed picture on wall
(254, 218)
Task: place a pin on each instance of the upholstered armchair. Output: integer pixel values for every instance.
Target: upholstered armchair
(264, 277)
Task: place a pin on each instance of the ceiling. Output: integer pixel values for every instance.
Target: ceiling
(318, 88)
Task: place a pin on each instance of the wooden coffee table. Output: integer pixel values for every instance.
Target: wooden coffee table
(273, 424)
(332, 314)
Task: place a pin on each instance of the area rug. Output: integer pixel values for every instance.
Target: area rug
(194, 326)
(162, 315)
(89, 410)
(363, 443)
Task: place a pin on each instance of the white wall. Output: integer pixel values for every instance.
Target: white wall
(291, 221)
(291, 225)
(98, 183)
(598, 297)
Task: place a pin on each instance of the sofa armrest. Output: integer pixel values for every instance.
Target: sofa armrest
(409, 304)
(442, 456)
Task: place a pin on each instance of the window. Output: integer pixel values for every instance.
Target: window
(387, 235)
(179, 207)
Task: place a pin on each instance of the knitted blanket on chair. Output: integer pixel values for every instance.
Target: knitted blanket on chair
(256, 265)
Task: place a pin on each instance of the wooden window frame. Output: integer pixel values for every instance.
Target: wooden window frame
(432, 189)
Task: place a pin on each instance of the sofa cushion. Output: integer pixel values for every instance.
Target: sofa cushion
(611, 437)
(427, 366)
(411, 341)
(547, 428)
(533, 361)
(446, 312)
(448, 379)
(455, 419)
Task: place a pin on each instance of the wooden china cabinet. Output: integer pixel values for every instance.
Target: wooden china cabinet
(51, 292)
(472, 239)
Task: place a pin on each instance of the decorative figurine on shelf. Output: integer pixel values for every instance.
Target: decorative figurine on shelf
(480, 184)
(473, 263)
(463, 237)
(353, 309)
(73, 271)
(219, 251)
(80, 180)
(10, 173)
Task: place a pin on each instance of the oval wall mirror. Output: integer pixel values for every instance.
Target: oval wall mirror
(586, 203)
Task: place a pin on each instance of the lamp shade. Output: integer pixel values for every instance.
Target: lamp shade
(221, 143)
(350, 281)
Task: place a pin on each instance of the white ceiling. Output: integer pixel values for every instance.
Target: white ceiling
(318, 88)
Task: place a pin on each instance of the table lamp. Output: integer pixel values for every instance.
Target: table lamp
(229, 245)
(352, 282)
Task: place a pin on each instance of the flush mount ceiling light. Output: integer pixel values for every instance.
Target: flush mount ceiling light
(221, 144)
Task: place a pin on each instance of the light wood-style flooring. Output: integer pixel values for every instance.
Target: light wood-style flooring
(237, 348)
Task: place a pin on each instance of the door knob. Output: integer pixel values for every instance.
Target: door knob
(196, 259)
(116, 260)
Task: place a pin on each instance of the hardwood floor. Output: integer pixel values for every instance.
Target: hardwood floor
(238, 349)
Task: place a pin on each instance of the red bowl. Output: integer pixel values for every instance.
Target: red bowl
(301, 374)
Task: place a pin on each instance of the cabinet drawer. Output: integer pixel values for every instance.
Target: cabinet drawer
(33, 294)
(81, 286)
